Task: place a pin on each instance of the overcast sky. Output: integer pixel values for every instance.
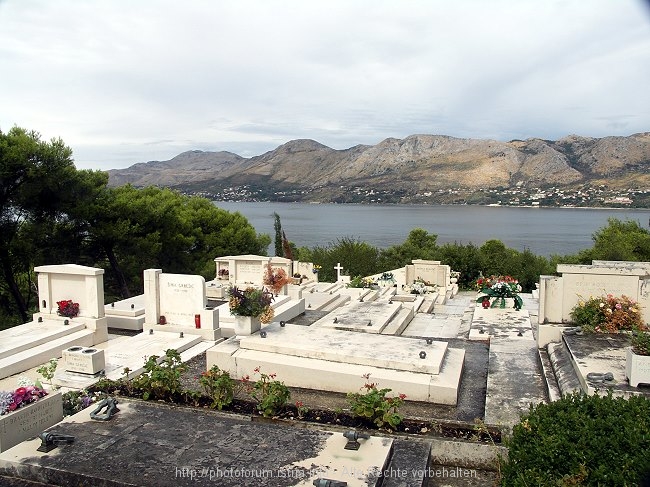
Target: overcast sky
(124, 81)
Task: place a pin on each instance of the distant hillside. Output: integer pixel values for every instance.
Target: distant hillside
(403, 169)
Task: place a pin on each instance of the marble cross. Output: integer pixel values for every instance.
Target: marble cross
(338, 271)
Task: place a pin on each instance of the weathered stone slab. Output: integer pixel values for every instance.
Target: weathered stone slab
(342, 377)
(362, 317)
(347, 347)
(24, 337)
(149, 444)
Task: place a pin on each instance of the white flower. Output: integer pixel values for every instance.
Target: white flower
(24, 381)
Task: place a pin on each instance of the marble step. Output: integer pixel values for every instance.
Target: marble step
(399, 322)
(42, 353)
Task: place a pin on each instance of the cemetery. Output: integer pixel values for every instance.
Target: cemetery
(437, 360)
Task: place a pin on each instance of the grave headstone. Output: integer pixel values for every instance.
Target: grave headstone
(177, 302)
(559, 295)
(81, 284)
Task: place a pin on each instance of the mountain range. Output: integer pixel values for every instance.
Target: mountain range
(305, 170)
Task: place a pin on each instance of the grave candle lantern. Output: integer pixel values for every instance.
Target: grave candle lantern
(197, 321)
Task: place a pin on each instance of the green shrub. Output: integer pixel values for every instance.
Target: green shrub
(219, 386)
(271, 395)
(161, 380)
(641, 342)
(581, 440)
(374, 406)
(607, 314)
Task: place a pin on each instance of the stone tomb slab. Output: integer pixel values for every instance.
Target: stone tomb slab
(360, 316)
(325, 375)
(24, 337)
(600, 353)
(148, 444)
(350, 348)
(501, 323)
(131, 353)
(133, 306)
(127, 314)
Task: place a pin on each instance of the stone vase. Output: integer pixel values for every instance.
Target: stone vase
(637, 368)
(247, 325)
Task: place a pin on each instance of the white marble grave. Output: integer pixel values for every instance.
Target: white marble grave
(178, 303)
(558, 295)
(34, 343)
(336, 360)
(126, 314)
(431, 271)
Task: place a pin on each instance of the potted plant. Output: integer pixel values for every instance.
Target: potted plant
(637, 363)
(251, 307)
(223, 274)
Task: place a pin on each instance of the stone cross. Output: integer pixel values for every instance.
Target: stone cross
(338, 271)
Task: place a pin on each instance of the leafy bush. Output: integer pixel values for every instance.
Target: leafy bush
(271, 395)
(375, 406)
(161, 380)
(641, 342)
(580, 440)
(607, 314)
(75, 401)
(219, 386)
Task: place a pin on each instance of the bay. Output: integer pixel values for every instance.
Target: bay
(544, 231)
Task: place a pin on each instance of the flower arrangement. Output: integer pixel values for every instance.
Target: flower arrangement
(315, 268)
(454, 274)
(67, 308)
(496, 289)
(276, 279)
(223, 273)
(607, 314)
(22, 396)
(251, 301)
(361, 282)
(387, 276)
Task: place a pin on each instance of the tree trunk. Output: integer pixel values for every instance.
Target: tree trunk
(121, 281)
(8, 273)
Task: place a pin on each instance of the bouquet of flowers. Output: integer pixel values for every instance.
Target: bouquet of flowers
(497, 289)
(67, 308)
(276, 279)
(251, 301)
(24, 395)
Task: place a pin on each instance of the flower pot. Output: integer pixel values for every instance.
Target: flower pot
(247, 325)
(637, 368)
(453, 280)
